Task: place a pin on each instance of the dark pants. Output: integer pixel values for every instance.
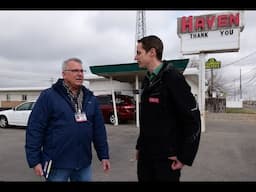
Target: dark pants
(156, 170)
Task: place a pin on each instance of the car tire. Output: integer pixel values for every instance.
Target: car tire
(112, 119)
(3, 122)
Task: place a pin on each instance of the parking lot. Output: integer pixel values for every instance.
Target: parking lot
(226, 152)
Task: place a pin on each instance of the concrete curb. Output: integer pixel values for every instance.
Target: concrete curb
(231, 116)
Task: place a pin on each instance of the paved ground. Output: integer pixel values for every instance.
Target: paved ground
(227, 152)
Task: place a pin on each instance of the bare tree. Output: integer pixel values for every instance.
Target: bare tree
(217, 83)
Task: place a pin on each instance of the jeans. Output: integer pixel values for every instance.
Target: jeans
(82, 174)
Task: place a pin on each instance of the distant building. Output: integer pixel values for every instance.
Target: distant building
(10, 97)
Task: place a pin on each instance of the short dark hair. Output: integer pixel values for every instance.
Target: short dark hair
(152, 41)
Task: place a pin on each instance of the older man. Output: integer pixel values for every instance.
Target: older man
(63, 124)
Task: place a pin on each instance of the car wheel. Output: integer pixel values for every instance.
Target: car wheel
(3, 122)
(112, 119)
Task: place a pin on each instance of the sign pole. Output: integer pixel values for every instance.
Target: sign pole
(212, 33)
(201, 90)
(211, 83)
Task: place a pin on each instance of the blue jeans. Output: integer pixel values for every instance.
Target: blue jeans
(83, 174)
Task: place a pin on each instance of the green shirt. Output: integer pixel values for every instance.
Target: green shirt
(155, 72)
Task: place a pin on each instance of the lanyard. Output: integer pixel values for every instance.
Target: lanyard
(75, 100)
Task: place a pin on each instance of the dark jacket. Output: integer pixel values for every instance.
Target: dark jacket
(53, 132)
(169, 117)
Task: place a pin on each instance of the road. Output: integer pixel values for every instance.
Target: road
(226, 153)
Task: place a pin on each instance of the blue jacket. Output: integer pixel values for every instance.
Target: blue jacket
(53, 132)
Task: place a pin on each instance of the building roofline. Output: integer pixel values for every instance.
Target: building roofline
(23, 88)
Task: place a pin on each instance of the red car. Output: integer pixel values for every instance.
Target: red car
(125, 106)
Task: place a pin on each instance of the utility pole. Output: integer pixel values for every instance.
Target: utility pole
(140, 26)
(211, 82)
(234, 89)
(140, 32)
(241, 96)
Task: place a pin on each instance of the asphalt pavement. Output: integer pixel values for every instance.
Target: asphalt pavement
(226, 152)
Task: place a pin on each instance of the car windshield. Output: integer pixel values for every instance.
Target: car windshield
(120, 99)
(25, 106)
(124, 99)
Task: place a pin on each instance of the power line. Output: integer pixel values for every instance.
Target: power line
(236, 61)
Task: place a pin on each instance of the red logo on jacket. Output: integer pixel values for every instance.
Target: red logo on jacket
(153, 100)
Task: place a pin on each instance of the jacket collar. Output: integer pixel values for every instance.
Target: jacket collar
(58, 87)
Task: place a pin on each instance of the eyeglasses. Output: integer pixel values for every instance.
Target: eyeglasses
(76, 70)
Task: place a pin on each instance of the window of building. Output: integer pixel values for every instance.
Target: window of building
(8, 97)
(24, 97)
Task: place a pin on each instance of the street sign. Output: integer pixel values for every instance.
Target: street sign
(212, 63)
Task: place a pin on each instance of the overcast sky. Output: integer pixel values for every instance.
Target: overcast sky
(33, 44)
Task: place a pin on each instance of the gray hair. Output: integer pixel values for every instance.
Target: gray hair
(65, 63)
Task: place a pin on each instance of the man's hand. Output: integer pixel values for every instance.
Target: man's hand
(105, 164)
(176, 164)
(38, 170)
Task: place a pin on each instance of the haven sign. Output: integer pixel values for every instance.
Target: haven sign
(214, 33)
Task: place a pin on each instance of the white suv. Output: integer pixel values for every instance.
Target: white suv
(17, 116)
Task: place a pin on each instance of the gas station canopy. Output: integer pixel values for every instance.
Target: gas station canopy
(126, 72)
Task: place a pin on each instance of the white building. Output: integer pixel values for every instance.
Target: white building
(10, 97)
